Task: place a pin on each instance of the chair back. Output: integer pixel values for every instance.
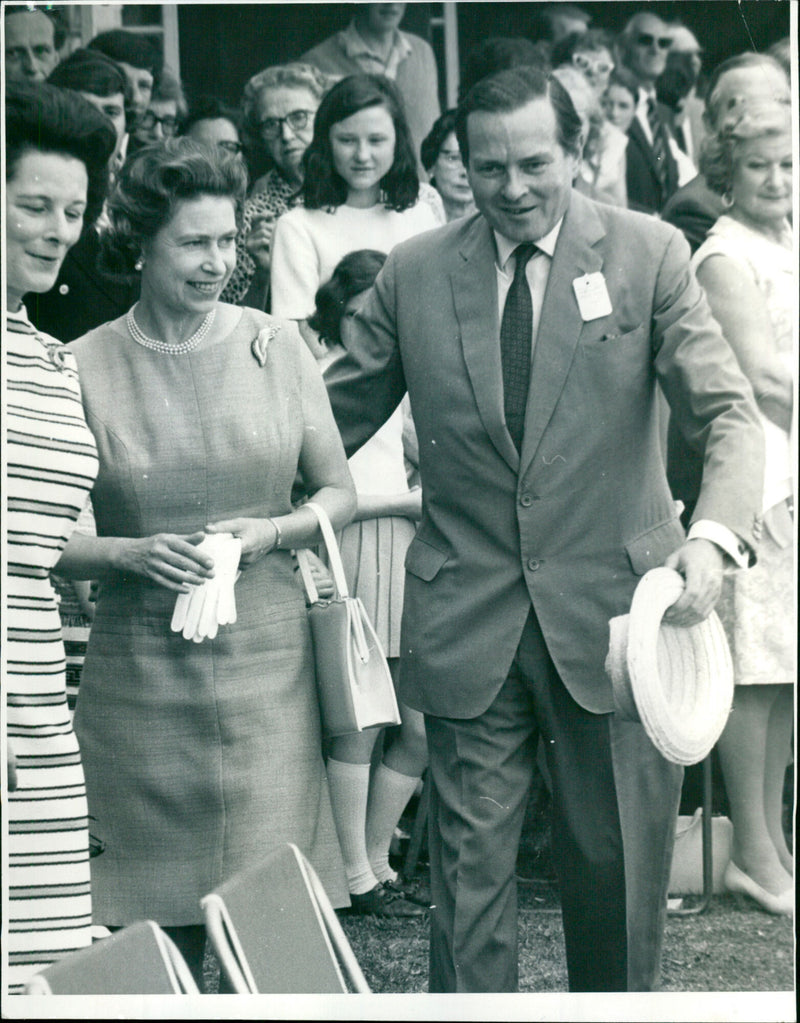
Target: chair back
(136, 960)
(274, 930)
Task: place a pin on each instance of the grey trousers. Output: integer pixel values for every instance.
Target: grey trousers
(615, 804)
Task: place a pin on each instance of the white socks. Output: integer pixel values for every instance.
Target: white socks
(349, 788)
(389, 794)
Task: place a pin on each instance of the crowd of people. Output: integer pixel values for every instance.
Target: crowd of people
(336, 290)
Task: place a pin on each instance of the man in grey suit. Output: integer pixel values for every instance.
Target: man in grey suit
(532, 372)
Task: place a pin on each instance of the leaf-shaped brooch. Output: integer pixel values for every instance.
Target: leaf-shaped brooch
(58, 356)
(261, 342)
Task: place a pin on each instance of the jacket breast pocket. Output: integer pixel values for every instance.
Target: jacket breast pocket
(423, 560)
(651, 548)
(611, 336)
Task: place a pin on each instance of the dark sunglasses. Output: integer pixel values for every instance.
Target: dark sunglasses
(646, 39)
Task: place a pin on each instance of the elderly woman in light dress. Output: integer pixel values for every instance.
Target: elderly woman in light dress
(746, 267)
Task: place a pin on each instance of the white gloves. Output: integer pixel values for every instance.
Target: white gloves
(200, 612)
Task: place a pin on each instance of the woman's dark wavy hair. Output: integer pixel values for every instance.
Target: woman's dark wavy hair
(354, 273)
(151, 184)
(91, 71)
(43, 118)
(432, 144)
(323, 187)
(210, 108)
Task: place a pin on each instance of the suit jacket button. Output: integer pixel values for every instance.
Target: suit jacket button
(63, 289)
(533, 564)
(526, 500)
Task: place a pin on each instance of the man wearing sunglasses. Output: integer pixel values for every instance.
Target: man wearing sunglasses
(652, 171)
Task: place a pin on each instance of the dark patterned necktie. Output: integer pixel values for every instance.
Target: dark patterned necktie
(660, 141)
(516, 338)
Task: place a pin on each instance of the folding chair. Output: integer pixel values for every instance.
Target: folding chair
(137, 960)
(274, 930)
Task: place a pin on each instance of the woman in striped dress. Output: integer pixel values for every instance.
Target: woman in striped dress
(58, 146)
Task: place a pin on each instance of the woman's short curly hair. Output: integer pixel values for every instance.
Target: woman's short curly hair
(323, 187)
(282, 76)
(354, 273)
(741, 123)
(153, 182)
(44, 118)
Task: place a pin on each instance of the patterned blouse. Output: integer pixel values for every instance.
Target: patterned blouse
(271, 196)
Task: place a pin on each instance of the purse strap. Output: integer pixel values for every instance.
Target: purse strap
(356, 608)
(334, 557)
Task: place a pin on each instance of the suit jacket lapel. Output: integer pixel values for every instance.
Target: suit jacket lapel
(475, 297)
(560, 322)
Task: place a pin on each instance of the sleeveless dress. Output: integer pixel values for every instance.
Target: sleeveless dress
(199, 757)
(52, 462)
(756, 605)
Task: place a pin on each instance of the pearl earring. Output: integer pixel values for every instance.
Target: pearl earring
(139, 264)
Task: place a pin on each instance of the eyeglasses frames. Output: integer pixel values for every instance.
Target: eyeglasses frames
(648, 39)
(598, 66)
(230, 146)
(270, 127)
(148, 121)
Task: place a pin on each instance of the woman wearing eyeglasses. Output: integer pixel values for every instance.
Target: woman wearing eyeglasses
(161, 120)
(213, 123)
(278, 107)
(441, 158)
(586, 57)
(590, 53)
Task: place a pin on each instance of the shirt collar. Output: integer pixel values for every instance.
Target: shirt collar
(645, 95)
(355, 45)
(505, 246)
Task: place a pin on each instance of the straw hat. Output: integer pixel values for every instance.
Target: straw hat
(677, 681)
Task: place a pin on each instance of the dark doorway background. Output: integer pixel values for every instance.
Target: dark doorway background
(222, 45)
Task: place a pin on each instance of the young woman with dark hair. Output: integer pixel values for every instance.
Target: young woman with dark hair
(360, 190)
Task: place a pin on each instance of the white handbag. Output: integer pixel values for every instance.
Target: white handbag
(353, 679)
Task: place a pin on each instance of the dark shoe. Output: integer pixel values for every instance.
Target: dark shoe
(382, 902)
(411, 891)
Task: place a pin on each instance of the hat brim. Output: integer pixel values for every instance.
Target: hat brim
(677, 681)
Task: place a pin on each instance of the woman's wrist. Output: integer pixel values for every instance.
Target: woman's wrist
(278, 537)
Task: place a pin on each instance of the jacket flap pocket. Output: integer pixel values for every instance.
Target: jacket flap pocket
(651, 548)
(424, 561)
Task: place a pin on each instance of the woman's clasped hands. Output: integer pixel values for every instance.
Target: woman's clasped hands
(211, 602)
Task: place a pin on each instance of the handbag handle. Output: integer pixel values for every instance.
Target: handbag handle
(334, 557)
(339, 580)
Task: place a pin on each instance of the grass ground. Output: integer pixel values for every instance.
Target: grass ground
(732, 946)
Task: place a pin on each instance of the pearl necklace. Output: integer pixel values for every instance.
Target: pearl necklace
(163, 346)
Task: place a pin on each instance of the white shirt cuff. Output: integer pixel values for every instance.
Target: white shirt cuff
(726, 539)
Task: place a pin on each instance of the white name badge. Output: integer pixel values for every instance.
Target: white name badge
(592, 295)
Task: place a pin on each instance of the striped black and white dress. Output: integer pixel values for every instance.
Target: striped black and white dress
(52, 463)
